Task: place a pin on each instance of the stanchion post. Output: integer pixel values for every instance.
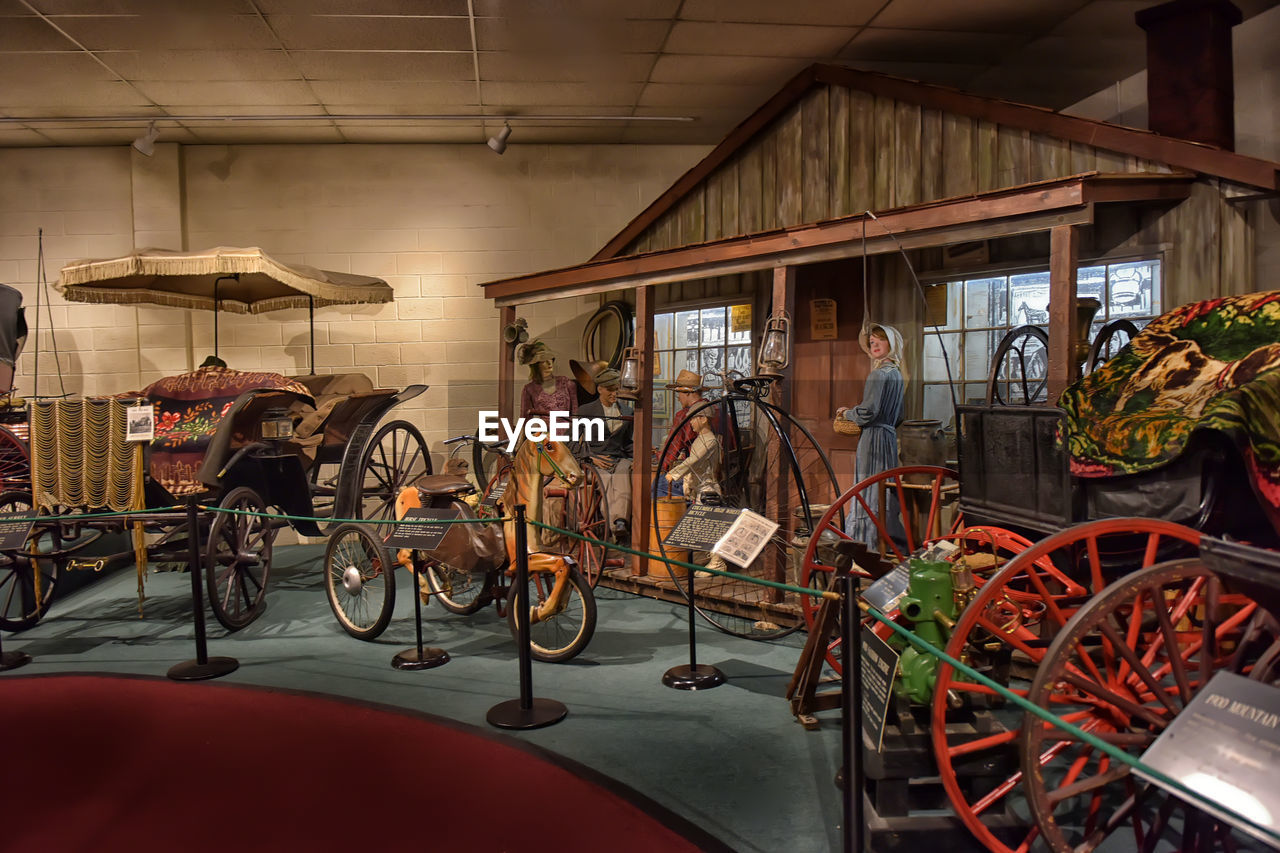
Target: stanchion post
(693, 676)
(851, 712)
(203, 667)
(418, 657)
(525, 712)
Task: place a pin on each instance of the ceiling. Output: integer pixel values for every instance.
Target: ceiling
(573, 71)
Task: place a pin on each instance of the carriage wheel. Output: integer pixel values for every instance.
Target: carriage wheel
(1003, 633)
(15, 462)
(1111, 338)
(25, 595)
(1122, 668)
(394, 458)
(360, 581)
(772, 465)
(586, 512)
(459, 590)
(1020, 367)
(237, 559)
(564, 635)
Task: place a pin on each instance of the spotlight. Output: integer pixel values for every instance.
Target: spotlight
(146, 143)
(499, 143)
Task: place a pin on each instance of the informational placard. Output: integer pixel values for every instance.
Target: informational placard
(495, 494)
(1225, 745)
(887, 591)
(14, 534)
(879, 665)
(740, 318)
(140, 423)
(416, 531)
(745, 538)
(701, 527)
(822, 319)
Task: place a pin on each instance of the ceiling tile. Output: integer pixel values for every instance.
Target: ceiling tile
(632, 9)
(61, 67)
(534, 96)
(686, 68)
(757, 39)
(418, 133)
(346, 92)
(955, 75)
(1112, 18)
(48, 97)
(1112, 58)
(695, 94)
(418, 107)
(21, 137)
(183, 31)
(361, 65)
(929, 46)
(196, 65)
(246, 135)
(142, 7)
(455, 8)
(260, 92)
(364, 32)
(566, 67)
(976, 16)
(28, 34)
(12, 8)
(571, 35)
(242, 109)
(849, 13)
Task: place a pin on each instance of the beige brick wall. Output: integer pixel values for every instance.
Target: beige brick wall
(434, 221)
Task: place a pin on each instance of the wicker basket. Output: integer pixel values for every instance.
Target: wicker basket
(845, 427)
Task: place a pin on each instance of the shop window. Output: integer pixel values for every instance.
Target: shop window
(707, 339)
(980, 310)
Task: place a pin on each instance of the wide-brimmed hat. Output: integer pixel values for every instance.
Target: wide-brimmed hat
(585, 373)
(536, 351)
(687, 380)
(608, 378)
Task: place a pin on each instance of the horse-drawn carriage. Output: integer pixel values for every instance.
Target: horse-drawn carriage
(1078, 580)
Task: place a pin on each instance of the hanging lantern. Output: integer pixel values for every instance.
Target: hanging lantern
(775, 348)
(629, 381)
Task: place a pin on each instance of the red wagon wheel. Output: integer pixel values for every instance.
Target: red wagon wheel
(1007, 629)
(923, 491)
(1125, 666)
(586, 513)
(15, 462)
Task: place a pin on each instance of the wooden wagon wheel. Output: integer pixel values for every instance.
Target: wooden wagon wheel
(27, 584)
(1021, 362)
(238, 559)
(15, 462)
(586, 512)
(395, 457)
(1124, 666)
(922, 491)
(1003, 632)
(1110, 339)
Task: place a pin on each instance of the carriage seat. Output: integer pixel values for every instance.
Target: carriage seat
(442, 486)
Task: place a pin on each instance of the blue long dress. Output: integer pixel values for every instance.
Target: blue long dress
(878, 414)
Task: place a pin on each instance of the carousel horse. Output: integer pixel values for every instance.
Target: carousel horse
(534, 465)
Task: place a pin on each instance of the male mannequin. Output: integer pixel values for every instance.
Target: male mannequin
(612, 457)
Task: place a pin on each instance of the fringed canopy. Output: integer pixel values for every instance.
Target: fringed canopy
(248, 282)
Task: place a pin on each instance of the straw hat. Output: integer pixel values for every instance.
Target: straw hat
(687, 380)
(586, 372)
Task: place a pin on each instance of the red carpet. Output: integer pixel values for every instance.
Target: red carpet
(104, 764)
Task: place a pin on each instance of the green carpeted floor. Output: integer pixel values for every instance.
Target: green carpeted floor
(732, 759)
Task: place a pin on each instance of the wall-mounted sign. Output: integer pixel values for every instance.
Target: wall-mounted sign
(740, 318)
(822, 320)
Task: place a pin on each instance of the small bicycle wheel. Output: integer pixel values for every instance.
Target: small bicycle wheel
(237, 559)
(459, 590)
(360, 581)
(27, 583)
(394, 458)
(586, 513)
(564, 633)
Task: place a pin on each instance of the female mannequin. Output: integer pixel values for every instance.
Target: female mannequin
(545, 392)
(877, 415)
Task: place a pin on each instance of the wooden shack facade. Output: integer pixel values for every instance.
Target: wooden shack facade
(856, 187)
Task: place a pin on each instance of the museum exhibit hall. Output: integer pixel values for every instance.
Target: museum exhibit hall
(498, 425)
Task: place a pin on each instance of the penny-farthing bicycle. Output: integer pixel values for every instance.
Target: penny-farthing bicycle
(771, 464)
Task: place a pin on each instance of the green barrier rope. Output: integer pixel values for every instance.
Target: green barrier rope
(85, 515)
(1054, 720)
(230, 511)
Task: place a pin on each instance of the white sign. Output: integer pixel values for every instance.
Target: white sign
(140, 423)
(745, 538)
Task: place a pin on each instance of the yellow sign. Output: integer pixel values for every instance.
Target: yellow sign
(740, 318)
(822, 319)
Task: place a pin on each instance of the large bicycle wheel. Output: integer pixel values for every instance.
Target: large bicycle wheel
(459, 590)
(237, 559)
(395, 457)
(586, 512)
(1122, 668)
(360, 581)
(771, 465)
(563, 634)
(27, 582)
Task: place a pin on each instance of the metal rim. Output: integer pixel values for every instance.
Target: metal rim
(359, 581)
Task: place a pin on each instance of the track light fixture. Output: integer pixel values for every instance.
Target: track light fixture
(146, 143)
(499, 143)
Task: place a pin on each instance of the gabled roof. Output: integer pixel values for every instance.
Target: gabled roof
(1176, 153)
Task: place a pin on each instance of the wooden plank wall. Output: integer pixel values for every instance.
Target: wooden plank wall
(840, 151)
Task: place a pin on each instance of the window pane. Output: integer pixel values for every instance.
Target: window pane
(937, 403)
(985, 302)
(979, 350)
(740, 360)
(711, 362)
(662, 367)
(1131, 289)
(1029, 299)
(934, 368)
(1092, 281)
(713, 326)
(974, 392)
(686, 330)
(662, 331)
(685, 359)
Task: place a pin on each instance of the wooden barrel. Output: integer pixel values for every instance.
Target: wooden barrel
(670, 511)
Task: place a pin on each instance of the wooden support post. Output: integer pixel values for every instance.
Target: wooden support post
(784, 299)
(1064, 244)
(506, 367)
(642, 466)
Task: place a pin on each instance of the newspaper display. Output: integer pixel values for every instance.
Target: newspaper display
(745, 538)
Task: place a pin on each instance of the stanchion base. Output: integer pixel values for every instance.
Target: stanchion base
(190, 670)
(425, 658)
(686, 677)
(13, 660)
(509, 714)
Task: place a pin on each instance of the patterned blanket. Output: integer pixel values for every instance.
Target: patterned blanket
(1204, 366)
(188, 409)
